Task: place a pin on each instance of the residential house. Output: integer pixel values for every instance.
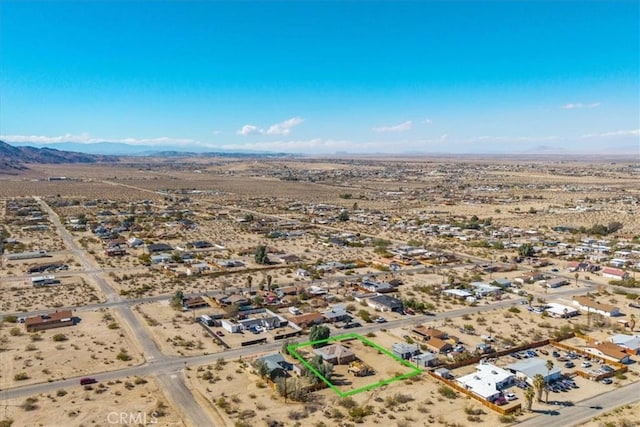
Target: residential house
(631, 343)
(527, 369)
(560, 311)
(425, 360)
(193, 303)
(378, 287)
(609, 351)
(307, 320)
(385, 303)
(439, 346)
(336, 354)
(554, 283)
(276, 365)
(614, 273)
(159, 247)
(57, 319)
(337, 313)
(591, 306)
(487, 382)
(288, 259)
(404, 350)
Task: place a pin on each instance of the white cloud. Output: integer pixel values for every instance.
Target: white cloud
(216, 132)
(634, 132)
(249, 130)
(84, 138)
(402, 127)
(580, 105)
(282, 128)
(427, 121)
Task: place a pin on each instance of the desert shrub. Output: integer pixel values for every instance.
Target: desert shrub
(507, 419)
(6, 422)
(447, 392)
(29, 404)
(61, 393)
(21, 376)
(358, 413)
(59, 337)
(15, 331)
(123, 355)
(348, 403)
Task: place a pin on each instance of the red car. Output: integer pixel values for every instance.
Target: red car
(87, 381)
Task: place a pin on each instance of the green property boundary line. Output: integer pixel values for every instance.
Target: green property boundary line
(292, 349)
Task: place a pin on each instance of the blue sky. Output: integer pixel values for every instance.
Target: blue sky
(324, 77)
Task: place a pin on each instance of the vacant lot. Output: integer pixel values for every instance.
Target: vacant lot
(97, 343)
(140, 400)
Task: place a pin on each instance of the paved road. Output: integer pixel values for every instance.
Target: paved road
(585, 410)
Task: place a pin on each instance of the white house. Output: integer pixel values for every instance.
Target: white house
(591, 306)
(488, 381)
(560, 310)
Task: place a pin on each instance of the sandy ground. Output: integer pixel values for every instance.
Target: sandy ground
(92, 345)
(130, 401)
(176, 333)
(21, 295)
(624, 416)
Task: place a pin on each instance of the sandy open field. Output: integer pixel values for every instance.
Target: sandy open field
(129, 401)
(97, 343)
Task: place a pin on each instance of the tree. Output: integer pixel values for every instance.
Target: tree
(323, 368)
(529, 299)
(261, 256)
(249, 282)
(549, 366)
(319, 333)
(344, 215)
(176, 301)
(538, 385)
(269, 279)
(632, 322)
(526, 250)
(528, 397)
(576, 277)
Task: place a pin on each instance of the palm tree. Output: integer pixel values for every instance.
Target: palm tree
(632, 322)
(538, 385)
(576, 276)
(549, 366)
(269, 279)
(528, 397)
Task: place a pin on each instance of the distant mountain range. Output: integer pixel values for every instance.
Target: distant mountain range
(17, 158)
(124, 149)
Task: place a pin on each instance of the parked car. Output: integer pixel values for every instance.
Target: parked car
(569, 365)
(220, 333)
(511, 396)
(607, 381)
(606, 368)
(586, 364)
(555, 354)
(380, 319)
(87, 381)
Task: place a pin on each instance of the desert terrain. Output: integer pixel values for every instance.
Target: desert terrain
(127, 246)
